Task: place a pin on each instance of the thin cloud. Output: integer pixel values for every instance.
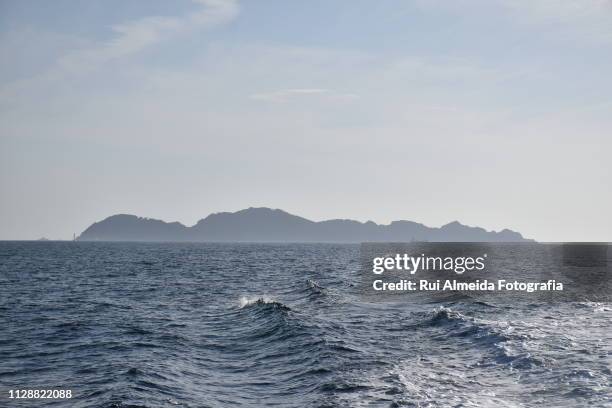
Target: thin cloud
(586, 20)
(563, 10)
(129, 38)
(285, 95)
(134, 36)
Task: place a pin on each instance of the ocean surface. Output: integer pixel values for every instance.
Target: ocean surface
(253, 325)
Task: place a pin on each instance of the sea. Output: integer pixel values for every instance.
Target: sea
(278, 325)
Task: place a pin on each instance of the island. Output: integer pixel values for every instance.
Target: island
(274, 225)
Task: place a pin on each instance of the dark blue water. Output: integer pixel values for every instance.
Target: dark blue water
(206, 325)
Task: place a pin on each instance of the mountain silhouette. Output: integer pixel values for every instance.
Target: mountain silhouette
(268, 225)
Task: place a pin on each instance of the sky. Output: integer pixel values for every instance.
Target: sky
(495, 113)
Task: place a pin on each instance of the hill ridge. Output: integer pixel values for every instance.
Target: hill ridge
(263, 224)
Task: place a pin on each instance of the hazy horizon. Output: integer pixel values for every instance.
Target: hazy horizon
(492, 113)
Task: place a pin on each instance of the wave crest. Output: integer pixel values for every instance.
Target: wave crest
(262, 300)
(315, 287)
(443, 315)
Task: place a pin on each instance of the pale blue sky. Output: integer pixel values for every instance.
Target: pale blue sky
(496, 113)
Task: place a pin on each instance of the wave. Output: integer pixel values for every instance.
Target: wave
(263, 300)
(315, 288)
(517, 359)
(596, 306)
(442, 315)
(465, 326)
(505, 343)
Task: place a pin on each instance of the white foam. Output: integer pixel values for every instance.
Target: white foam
(247, 301)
